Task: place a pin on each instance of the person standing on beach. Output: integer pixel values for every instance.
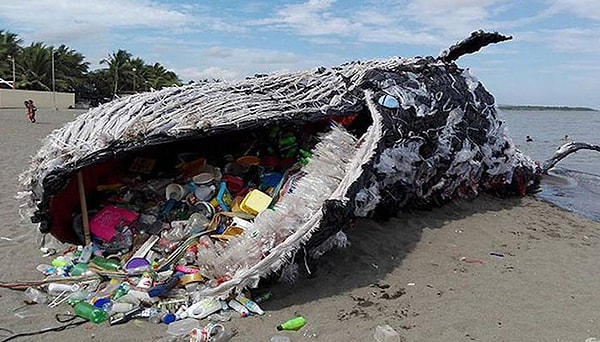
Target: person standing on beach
(31, 109)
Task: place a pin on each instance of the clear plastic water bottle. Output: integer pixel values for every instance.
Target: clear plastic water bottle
(86, 254)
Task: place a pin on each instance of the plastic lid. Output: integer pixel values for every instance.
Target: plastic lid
(204, 178)
(169, 318)
(248, 160)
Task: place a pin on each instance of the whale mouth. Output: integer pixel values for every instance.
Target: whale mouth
(321, 161)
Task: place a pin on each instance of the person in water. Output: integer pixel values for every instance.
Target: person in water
(529, 139)
(566, 137)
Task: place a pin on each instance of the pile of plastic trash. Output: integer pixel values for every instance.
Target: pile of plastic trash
(154, 241)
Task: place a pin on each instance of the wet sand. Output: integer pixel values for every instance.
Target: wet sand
(485, 270)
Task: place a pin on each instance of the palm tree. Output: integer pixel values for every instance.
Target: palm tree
(159, 77)
(9, 46)
(70, 68)
(35, 67)
(118, 64)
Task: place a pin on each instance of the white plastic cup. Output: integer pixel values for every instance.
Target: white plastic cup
(174, 191)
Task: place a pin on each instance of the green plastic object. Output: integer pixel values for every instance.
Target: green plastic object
(90, 312)
(79, 269)
(293, 324)
(107, 264)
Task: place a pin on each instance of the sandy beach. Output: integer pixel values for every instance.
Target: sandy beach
(491, 269)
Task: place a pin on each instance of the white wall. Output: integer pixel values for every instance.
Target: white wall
(13, 98)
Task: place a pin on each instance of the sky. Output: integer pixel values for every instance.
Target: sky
(553, 58)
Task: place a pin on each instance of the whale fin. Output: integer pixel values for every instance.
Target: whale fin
(564, 151)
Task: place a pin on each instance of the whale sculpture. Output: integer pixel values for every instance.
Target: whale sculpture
(392, 134)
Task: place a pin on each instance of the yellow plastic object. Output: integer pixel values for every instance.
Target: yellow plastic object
(255, 202)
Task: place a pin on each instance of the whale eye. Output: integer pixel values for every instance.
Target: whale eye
(388, 101)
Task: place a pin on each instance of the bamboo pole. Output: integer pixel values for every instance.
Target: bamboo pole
(84, 211)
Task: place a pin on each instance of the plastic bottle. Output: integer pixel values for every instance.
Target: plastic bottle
(263, 297)
(86, 254)
(156, 316)
(122, 290)
(80, 269)
(107, 264)
(46, 269)
(80, 295)
(237, 306)
(251, 305)
(57, 288)
(35, 295)
(196, 224)
(293, 324)
(90, 312)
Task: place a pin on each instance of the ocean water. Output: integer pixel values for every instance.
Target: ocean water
(574, 183)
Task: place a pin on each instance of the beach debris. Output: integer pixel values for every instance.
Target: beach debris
(385, 333)
(292, 324)
(212, 332)
(471, 260)
(497, 255)
(34, 295)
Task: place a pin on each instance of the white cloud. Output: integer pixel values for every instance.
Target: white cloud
(225, 63)
(315, 17)
(56, 21)
(250, 56)
(568, 40)
(210, 73)
(583, 8)
(415, 22)
(449, 17)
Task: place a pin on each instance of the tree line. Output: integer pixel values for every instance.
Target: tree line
(124, 73)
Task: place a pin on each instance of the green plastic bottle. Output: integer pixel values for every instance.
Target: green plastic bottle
(90, 312)
(293, 324)
(107, 264)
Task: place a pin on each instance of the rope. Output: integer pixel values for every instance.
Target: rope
(43, 331)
